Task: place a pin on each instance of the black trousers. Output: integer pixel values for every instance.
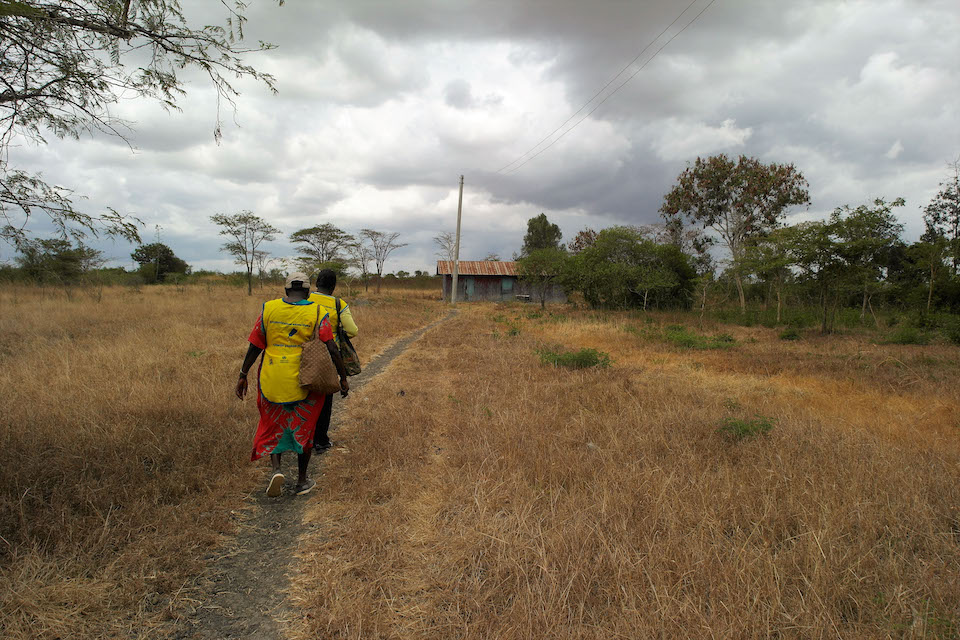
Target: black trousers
(320, 436)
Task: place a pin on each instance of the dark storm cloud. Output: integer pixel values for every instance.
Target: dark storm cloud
(383, 105)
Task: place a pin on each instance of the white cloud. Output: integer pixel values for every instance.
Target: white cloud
(679, 140)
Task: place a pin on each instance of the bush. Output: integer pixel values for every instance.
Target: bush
(737, 429)
(906, 335)
(790, 334)
(953, 334)
(680, 336)
(583, 359)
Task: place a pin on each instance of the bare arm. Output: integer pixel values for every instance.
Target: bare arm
(253, 352)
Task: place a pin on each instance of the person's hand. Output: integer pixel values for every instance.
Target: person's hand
(241, 387)
(344, 387)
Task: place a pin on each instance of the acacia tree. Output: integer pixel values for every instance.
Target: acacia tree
(736, 200)
(319, 245)
(446, 242)
(62, 68)
(381, 245)
(246, 232)
(361, 254)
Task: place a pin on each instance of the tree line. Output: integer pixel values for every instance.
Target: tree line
(856, 258)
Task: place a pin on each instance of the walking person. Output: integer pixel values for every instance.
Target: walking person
(339, 314)
(288, 412)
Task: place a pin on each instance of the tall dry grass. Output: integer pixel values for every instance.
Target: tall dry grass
(498, 498)
(123, 450)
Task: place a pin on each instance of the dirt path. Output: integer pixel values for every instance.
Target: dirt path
(244, 592)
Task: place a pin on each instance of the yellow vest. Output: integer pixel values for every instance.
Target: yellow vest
(329, 304)
(287, 327)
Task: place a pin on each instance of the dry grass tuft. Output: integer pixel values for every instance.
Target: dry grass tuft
(123, 450)
(497, 497)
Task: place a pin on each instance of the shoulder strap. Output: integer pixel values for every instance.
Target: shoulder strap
(316, 325)
(341, 334)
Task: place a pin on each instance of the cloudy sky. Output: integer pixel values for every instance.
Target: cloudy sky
(383, 105)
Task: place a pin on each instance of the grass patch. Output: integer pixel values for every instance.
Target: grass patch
(680, 336)
(737, 429)
(906, 335)
(790, 334)
(582, 359)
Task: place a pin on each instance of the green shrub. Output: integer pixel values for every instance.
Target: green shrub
(953, 334)
(680, 336)
(737, 429)
(582, 359)
(790, 334)
(906, 335)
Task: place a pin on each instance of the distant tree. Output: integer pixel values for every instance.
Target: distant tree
(263, 262)
(446, 242)
(930, 254)
(246, 232)
(319, 244)
(866, 237)
(583, 240)
(942, 216)
(360, 254)
(541, 234)
(56, 260)
(541, 269)
(768, 257)
(418, 273)
(625, 270)
(492, 257)
(63, 69)
(382, 244)
(736, 200)
(160, 259)
(814, 250)
(403, 274)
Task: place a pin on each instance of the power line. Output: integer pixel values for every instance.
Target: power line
(601, 90)
(608, 96)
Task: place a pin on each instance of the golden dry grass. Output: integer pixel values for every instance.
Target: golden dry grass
(123, 450)
(498, 498)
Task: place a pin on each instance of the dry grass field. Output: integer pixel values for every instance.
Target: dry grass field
(123, 450)
(482, 494)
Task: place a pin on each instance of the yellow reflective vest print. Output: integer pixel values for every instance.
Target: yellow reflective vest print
(287, 327)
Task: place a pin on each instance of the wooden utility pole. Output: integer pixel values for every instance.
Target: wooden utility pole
(456, 249)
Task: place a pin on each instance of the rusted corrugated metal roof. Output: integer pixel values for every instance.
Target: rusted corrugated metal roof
(478, 268)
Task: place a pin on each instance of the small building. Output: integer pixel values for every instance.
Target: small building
(491, 280)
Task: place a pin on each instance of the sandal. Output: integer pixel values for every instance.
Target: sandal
(303, 488)
(275, 488)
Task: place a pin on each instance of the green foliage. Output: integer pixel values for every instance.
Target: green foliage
(246, 232)
(541, 234)
(320, 245)
(56, 261)
(737, 200)
(541, 268)
(63, 68)
(582, 359)
(624, 270)
(680, 336)
(906, 335)
(738, 429)
(157, 260)
(790, 334)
